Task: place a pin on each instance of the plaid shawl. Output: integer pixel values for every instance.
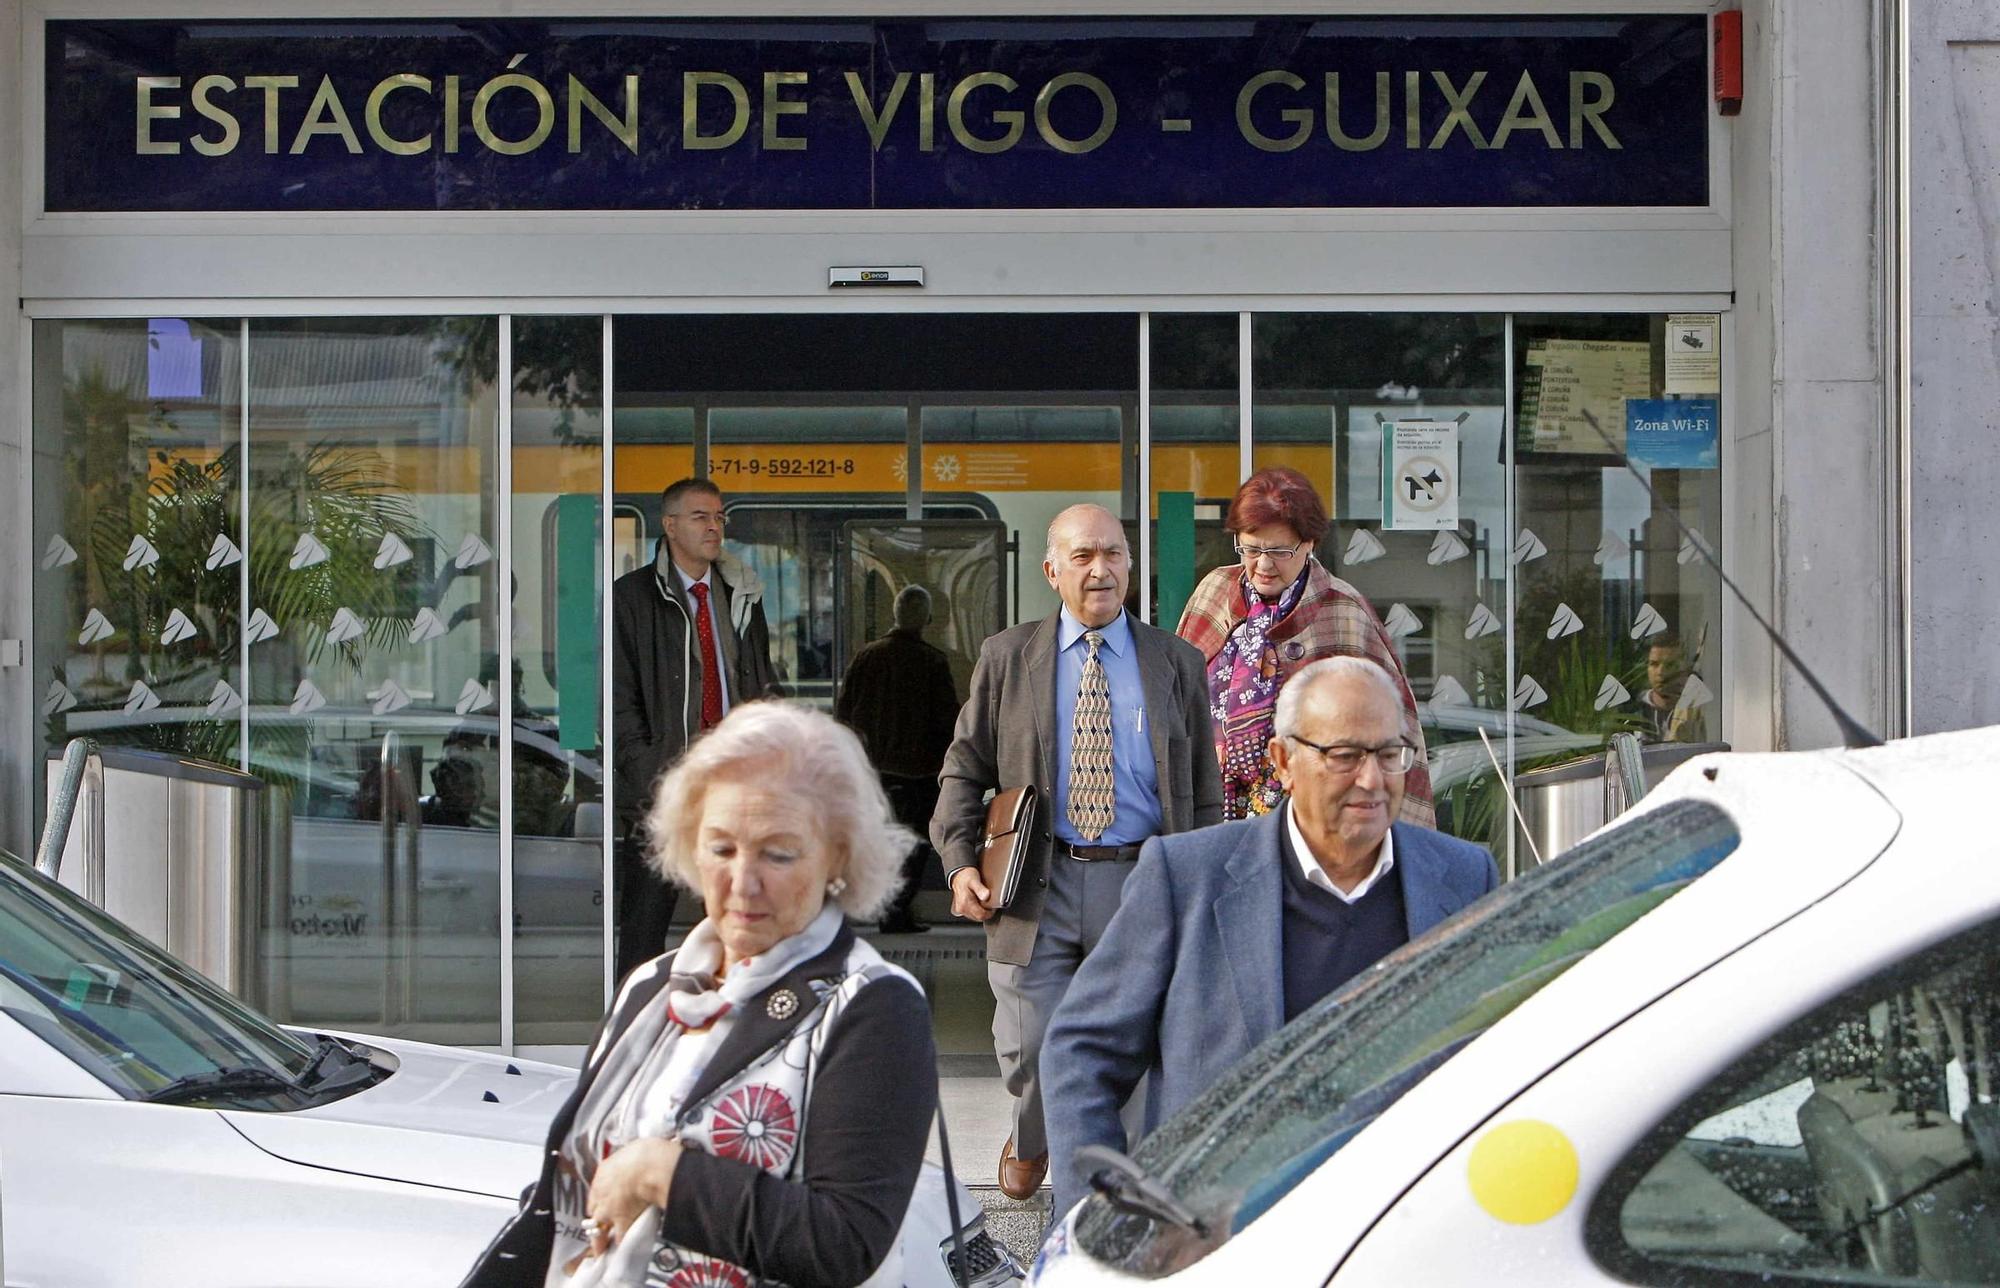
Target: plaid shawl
(1331, 618)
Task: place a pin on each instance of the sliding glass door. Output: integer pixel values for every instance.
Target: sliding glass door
(368, 559)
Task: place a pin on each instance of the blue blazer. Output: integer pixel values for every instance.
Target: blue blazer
(1190, 974)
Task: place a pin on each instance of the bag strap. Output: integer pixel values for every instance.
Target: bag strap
(959, 1270)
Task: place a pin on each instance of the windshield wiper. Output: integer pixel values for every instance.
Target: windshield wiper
(200, 1086)
(334, 1065)
(1127, 1187)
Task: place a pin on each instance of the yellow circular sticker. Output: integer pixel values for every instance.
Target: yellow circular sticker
(1523, 1171)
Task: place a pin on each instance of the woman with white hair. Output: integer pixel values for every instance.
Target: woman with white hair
(756, 1105)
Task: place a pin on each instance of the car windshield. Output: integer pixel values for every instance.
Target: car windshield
(1297, 1099)
(121, 1008)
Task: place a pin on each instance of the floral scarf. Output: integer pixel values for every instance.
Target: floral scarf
(1243, 682)
(647, 1076)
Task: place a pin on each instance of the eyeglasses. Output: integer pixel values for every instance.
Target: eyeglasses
(1251, 554)
(1393, 760)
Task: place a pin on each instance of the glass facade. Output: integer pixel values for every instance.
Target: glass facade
(138, 533)
(333, 551)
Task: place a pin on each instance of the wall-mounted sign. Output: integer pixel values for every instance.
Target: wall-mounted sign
(1673, 433)
(1567, 380)
(1420, 475)
(1694, 353)
(850, 279)
(986, 113)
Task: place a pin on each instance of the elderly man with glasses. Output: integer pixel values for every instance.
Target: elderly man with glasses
(1226, 934)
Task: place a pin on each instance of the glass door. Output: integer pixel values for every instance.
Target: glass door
(335, 550)
(558, 596)
(861, 455)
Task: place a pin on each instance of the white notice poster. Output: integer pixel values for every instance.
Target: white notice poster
(1694, 353)
(1419, 475)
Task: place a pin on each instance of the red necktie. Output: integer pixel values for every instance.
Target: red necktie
(711, 683)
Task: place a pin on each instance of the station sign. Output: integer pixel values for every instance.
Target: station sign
(974, 113)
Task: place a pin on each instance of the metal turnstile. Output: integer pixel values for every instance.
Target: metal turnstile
(172, 847)
(1563, 803)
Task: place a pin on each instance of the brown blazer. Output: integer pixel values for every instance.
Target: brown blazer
(1006, 738)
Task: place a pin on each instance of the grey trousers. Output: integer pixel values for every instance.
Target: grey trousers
(1081, 899)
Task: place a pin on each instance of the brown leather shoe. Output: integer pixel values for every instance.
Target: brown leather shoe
(1021, 1177)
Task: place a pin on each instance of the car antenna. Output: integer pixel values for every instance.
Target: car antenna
(1853, 733)
(1500, 776)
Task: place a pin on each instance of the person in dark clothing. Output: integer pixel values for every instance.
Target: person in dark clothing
(458, 787)
(899, 696)
(755, 1108)
(689, 642)
(1226, 934)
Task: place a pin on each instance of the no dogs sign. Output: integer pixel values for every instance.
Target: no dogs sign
(1419, 475)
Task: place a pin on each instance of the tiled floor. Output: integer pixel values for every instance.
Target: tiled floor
(950, 962)
(978, 1113)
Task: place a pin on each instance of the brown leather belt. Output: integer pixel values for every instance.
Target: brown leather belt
(1101, 853)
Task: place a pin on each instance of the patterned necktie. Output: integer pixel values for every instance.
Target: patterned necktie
(1092, 801)
(711, 683)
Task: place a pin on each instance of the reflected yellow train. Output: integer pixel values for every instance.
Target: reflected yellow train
(1209, 470)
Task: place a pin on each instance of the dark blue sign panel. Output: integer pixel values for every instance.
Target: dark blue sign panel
(964, 114)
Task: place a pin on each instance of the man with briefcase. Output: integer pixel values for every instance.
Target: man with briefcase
(1104, 720)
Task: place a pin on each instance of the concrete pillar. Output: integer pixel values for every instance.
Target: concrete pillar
(1954, 105)
(17, 692)
(1831, 475)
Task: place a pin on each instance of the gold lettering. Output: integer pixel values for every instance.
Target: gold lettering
(775, 107)
(1413, 121)
(545, 114)
(1298, 116)
(927, 112)
(150, 112)
(1583, 109)
(1460, 114)
(371, 115)
(626, 131)
(1338, 133)
(877, 123)
(1107, 113)
(691, 136)
(325, 116)
(231, 132)
(954, 113)
(451, 127)
(1535, 117)
(270, 85)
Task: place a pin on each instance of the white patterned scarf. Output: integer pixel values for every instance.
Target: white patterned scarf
(643, 1082)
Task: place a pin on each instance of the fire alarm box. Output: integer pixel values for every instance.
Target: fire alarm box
(1729, 61)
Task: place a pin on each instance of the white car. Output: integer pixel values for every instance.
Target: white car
(1749, 1034)
(158, 1132)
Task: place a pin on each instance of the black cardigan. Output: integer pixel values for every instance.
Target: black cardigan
(867, 1122)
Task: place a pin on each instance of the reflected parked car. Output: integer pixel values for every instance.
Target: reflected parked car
(1746, 1035)
(157, 1131)
(384, 863)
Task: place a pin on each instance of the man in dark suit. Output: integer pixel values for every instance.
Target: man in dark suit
(689, 642)
(898, 695)
(1225, 936)
(1107, 718)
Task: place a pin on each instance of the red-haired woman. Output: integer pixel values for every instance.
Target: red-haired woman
(1259, 621)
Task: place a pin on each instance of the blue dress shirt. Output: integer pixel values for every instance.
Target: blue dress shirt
(1135, 779)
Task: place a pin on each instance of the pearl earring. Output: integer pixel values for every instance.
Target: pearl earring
(836, 887)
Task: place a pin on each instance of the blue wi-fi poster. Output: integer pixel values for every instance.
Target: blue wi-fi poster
(1673, 433)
